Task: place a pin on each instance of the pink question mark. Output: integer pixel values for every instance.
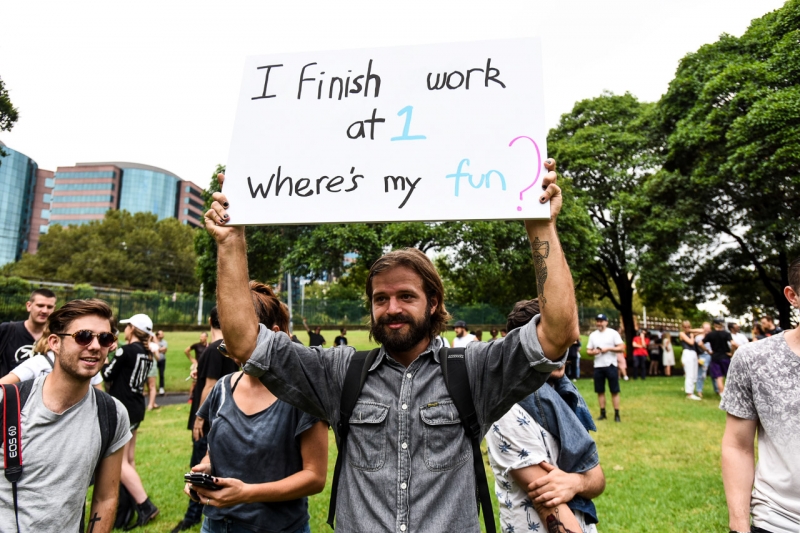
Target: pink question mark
(538, 166)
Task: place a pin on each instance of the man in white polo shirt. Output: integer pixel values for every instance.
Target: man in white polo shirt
(605, 343)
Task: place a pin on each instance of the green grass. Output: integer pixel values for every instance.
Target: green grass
(661, 464)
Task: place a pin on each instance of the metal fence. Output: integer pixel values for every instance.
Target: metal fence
(163, 308)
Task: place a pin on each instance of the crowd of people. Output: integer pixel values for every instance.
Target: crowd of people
(408, 417)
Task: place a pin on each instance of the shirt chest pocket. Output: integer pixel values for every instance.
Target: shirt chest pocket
(366, 444)
(446, 443)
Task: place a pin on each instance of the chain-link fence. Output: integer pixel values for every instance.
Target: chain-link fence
(163, 308)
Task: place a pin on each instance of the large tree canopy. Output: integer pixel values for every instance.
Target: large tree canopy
(124, 250)
(732, 121)
(605, 146)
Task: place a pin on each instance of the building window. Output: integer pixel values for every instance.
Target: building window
(43, 229)
(49, 182)
(46, 214)
(84, 175)
(83, 198)
(47, 198)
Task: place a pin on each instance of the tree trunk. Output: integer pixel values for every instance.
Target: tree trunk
(625, 290)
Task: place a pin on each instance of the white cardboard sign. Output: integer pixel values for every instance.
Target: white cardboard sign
(416, 133)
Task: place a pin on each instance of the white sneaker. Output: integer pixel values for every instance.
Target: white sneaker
(625, 378)
(694, 397)
(161, 391)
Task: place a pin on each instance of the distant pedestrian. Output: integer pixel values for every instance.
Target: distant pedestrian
(622, 357)
(703, 358)
(161, 361)
(769, 327)
(762, 399)
(739, 338)
(668, 357)
(573, 366)
(153, 374)
(479, 335)
(126, 374)
(493, 333)
(688, 360)
(197, 348)
(462, 337)
(17, 338)
(720, 341)
(341, 339)
(503, 332)
(640, 353)
(656, 353)
(315, 338)
(604, 344)
(758, 332)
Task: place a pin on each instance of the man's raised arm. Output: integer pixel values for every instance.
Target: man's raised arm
(558, 327)
(237, 314)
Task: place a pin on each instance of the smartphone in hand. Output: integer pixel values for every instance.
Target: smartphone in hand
(200, 479)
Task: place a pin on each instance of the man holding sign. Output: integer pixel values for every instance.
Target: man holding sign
(407, 465)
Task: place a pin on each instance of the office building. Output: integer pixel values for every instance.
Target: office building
(32, 198)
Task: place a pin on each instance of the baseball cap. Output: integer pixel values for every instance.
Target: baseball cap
(140, 321)
(719, 321)
(460, 324)
(601, 316)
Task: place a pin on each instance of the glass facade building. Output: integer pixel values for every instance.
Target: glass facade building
(148, 190)
(17, 183)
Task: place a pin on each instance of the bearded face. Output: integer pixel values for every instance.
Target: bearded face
(413, 330)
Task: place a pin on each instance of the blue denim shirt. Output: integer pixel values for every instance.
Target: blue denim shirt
(562, 411)
(409, 461)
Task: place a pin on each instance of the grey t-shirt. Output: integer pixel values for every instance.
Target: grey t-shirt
(764, 385)
(256, 448)
(59, 453)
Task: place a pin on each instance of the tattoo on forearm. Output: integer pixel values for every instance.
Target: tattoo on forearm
(554, 525)
(541, 250)
(92, 521)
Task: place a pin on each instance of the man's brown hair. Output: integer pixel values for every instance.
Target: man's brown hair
(270, 310)
(47, 293)
(431, 282)
(62, 319)
(523, 312)
(794, 275)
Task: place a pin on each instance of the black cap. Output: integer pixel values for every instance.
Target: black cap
(460, 324)
(601, 316)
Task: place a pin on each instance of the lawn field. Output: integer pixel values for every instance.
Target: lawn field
(661, 463)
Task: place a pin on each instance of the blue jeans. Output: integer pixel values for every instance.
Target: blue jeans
(639, 367)
(702, 371)
(211, 525)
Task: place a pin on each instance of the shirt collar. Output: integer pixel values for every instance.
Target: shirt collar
(433, 347)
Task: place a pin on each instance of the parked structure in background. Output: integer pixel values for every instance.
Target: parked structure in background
(31, 198)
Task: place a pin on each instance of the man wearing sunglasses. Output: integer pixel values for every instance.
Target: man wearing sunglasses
(60, 435)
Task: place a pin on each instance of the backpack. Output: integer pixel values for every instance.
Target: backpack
(454, 369)
(106, 419)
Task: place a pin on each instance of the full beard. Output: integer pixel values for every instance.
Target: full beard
(397, 341)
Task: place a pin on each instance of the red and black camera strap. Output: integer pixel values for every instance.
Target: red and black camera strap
(12, 440)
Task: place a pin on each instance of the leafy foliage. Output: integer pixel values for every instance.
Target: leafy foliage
(124, 250)
(731, 118)
(8, 113)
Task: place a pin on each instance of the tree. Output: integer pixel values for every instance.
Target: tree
(123, 250)
(731, 118)
(8, 113)
(605, 146)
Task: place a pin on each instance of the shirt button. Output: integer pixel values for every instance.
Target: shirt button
(408, 375)
(404, 446)
(405, 406)
(403, 486)
(402, 527)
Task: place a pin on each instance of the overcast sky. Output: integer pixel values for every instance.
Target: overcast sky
(156, 82)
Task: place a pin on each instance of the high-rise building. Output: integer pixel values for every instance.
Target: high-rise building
(17, 183)
(32, 198)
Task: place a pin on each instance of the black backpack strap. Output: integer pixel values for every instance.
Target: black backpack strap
(12, 439)
(351, 390)
(107, 420)
(454, 368)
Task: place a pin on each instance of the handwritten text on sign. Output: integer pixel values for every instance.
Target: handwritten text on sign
(438, 132)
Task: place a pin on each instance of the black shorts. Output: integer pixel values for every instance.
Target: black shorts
(602, 374)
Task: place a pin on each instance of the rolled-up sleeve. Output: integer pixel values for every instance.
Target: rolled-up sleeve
(308, 378)
(505, 371)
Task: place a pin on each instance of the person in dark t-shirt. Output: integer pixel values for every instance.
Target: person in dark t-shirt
(720, 341)
(197, 348)
(341, 339)
(314, 337)
(212, 367)
(17, 338)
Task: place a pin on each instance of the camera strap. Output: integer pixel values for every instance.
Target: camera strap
(12, 439)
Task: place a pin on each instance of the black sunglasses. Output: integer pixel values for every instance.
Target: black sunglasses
(84, 337)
